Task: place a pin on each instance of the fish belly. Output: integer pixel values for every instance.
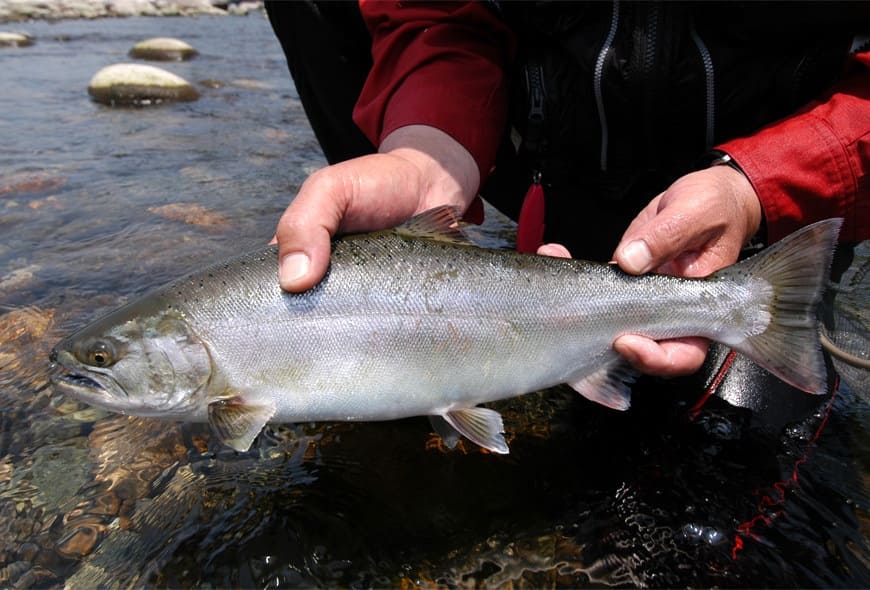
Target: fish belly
(378, 368)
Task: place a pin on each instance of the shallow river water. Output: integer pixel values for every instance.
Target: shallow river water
(100, 204)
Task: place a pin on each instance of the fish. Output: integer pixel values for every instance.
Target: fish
(846, 333)
(417, 321)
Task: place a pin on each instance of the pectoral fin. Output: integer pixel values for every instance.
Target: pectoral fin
(481, 426)
(236, 423)
(608, 386)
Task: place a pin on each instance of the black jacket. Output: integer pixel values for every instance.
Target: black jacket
(614, 101)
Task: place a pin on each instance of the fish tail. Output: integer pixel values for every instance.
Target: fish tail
(796, 270)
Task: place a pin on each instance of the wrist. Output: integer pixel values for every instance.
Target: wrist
(447, 172)
(744, 193)
(720, 158)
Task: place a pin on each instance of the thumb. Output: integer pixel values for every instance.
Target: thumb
(696, 226)
(304, 234)
(651, 244)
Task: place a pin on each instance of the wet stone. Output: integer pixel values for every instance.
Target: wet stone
(163, 49)
(24, 335)
(18, 278)
(65, 406)
(212, 83)
(25, 325)
(251, 84)
(16, 184)
(138, 85)
(106, 504)
(36, 577)
(243, 8)
(11, 573)
(79, 542)
(59, 471)
(28, 551)
(191, 214)
(52, 202)
(15, 39)
(90, 414)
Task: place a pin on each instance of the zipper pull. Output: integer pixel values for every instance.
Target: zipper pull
(530, 227)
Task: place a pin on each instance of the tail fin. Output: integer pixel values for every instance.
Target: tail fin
(797, 269)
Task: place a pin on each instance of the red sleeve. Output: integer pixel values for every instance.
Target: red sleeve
(814, 164)
(441, 64)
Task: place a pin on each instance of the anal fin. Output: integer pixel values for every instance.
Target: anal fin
(236, 423)
(479, 425)
(608, 386)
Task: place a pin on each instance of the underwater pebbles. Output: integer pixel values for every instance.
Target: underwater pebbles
(163, 49)
(140, 85)
(15, 39)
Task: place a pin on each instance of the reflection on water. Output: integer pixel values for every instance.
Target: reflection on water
(99, 204)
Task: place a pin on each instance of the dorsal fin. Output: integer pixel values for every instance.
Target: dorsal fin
(442, 223)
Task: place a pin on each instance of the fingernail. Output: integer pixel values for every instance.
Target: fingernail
(636, 257)
(293, 266)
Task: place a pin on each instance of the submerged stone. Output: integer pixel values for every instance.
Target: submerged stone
(138, 84)
(15, 39)
(190, 213)
(80, 541)
(163, 49)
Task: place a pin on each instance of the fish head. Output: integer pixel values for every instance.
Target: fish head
(143, 365)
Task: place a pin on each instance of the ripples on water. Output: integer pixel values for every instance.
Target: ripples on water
(93, 210)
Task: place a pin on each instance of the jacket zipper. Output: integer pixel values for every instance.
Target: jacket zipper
(535, 136)
(710, 79)
(648, 54)
(597, 78)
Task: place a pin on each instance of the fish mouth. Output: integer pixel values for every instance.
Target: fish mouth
(78, 383)
(70, 379)
(80, 386)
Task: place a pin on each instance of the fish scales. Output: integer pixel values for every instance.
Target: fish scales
(405, 325)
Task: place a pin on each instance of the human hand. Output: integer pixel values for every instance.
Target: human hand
(695, 227)
(417, 168)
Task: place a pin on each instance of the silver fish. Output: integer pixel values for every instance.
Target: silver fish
(410, 322)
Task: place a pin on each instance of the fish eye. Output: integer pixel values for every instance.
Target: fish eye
(100, 354)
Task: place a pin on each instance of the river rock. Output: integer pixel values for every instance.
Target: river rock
(243, 8)
(163, 49)
(15, 39)
(191, 214)
(21, 10)
(160, 7)
(138, 84)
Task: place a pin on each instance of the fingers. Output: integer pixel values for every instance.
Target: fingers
(669, 358)
(556, 250)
